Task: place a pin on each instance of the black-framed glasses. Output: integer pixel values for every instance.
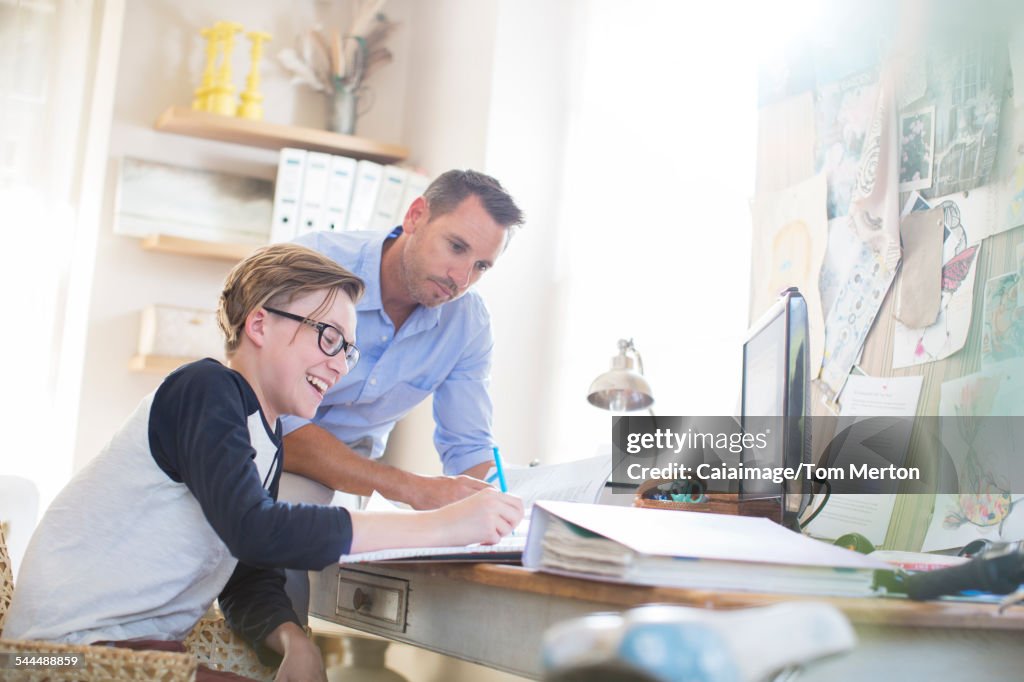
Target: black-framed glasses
(330, 338)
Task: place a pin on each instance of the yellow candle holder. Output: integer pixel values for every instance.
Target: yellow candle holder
(251, 106)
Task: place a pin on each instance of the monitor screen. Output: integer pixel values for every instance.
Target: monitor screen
(775, 395)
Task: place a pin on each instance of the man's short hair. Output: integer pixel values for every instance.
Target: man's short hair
(450, 189)
(276, 275)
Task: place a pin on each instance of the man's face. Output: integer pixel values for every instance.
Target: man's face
(445, 255)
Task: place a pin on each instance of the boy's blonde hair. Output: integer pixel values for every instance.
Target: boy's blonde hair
(277, 275)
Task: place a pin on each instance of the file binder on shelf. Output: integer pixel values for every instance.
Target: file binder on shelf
(287, 194)
(364, 195)
(416, 184)
(341, 178)
(392, 185)
(314, 190)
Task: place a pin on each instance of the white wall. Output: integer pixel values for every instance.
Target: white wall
(479, 98)
(447, 105)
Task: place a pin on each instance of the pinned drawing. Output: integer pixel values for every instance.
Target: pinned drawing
(789, 239)
(948, 333)
(843, 112)
(1020, 272)
(1012, 189)
(841, 254)
(981, 445)
(874, 213)
(1003, 330)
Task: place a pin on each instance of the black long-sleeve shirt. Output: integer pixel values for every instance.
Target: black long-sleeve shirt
(179, 509)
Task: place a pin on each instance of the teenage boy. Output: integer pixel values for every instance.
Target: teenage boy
(180, 507)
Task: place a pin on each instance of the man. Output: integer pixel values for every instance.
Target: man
(419, 334)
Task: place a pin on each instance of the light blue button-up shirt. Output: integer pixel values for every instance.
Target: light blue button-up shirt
(444, 350)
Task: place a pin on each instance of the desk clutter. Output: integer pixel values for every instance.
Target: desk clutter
(667, 643)
(324, 192)
(690, 496)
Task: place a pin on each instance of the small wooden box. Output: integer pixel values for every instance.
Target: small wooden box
(180, 332)
(715, 503)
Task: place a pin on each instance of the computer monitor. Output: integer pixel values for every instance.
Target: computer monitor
(776, 395)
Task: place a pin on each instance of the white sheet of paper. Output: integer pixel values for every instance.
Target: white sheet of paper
(866, 396)
(867, 514)
(378, 503)
(511, 543)
(578, 481)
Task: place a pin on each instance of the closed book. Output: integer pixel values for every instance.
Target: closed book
(364, 195)
(340, 180)
(314, 190)
(385, 212)
(690, 550)
(287, 194)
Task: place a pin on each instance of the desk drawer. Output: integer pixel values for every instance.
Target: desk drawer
(373, 599)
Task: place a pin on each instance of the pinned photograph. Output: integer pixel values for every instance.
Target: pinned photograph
(966, 82)
(917, 149)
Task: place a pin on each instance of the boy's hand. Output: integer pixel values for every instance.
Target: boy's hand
(486, 517)
(302, 660)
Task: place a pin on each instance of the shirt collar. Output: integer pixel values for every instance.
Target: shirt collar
(368, 269)
(422, 318)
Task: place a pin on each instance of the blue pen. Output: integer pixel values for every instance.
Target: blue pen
(500, 470)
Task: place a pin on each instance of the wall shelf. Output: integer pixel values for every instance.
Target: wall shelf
(157, 364)
(184, 121)
(163, 243)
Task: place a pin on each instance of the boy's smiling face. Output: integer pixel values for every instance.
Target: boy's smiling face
(295, 371)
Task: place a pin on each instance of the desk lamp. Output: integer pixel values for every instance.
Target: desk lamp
(622, 388)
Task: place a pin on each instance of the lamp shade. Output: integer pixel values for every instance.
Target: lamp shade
(622, 388)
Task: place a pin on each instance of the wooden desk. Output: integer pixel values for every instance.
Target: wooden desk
(496, 615)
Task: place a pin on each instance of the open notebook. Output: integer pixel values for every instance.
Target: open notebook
(581, 480)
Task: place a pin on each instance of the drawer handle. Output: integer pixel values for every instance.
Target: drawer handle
(361, 600)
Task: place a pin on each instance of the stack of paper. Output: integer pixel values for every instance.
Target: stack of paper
(509, 549)
(690, 549)
(579, 480)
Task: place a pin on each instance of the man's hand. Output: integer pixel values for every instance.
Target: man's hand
(432, 492)
(314, 453)
(302, 660)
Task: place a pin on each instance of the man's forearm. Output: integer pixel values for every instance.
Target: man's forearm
(478, 471)
(313, 452)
